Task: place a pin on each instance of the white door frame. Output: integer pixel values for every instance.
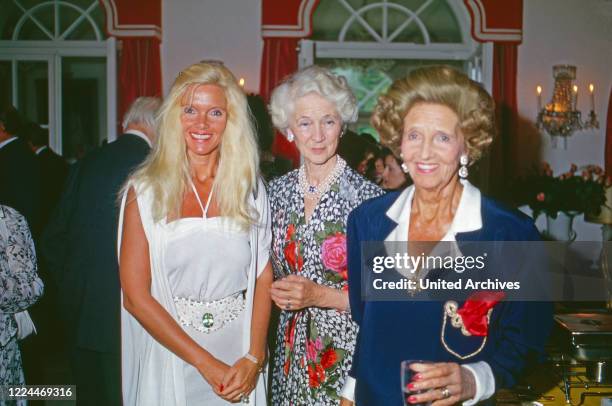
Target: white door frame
(52, 52)
(480, 64)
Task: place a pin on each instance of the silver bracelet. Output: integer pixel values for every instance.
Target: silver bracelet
(254, 360)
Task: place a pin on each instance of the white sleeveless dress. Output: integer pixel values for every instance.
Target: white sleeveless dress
(203, 259)
(208, 259)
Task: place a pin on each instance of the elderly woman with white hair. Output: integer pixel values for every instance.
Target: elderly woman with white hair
(310, 206)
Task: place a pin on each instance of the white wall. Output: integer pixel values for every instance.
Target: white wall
(567, 32)
(227, 30)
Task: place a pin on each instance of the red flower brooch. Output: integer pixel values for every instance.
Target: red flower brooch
(472, 318)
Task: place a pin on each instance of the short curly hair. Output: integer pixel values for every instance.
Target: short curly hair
(313, 79)
(438, 85)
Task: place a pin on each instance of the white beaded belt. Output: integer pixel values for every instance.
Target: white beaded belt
(207, 317)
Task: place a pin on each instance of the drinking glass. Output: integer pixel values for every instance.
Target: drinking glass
(407, 377)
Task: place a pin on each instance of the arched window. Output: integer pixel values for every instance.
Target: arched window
(373, 42)
(59, 70)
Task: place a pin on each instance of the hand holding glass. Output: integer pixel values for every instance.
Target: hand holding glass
(407, 376)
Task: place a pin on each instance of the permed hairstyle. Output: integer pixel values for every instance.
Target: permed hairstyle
(167, 170)
(142, 111)
(313, 79)
(438, 85)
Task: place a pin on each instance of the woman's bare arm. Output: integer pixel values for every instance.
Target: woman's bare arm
(262, 307)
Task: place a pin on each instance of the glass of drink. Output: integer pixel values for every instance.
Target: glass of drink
(407, 376)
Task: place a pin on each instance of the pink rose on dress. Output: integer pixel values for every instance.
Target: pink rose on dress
(334, 252)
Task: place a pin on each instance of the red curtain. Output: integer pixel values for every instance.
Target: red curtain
(139, 71)
(504, 148)
(279, 60)
(609, 138)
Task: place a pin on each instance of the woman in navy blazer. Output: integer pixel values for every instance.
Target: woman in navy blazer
(439, 122)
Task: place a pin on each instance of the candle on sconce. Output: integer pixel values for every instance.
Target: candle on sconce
(592, 92)
(539, 91)
(241, 82)
(575, 98)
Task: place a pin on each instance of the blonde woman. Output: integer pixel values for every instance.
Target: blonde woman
(194, 249)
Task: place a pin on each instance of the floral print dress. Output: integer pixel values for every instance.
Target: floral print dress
(314, 346)
(20, 288)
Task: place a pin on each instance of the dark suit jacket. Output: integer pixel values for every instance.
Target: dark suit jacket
(393, 331)
(53, 172)
(19, 180)
(80, 244)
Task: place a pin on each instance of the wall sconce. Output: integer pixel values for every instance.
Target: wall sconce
(561, 116)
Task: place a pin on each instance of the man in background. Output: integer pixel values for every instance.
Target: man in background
(52, 169)
(19, 176)
(80, 246)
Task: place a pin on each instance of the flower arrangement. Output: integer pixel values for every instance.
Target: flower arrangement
(572, 192)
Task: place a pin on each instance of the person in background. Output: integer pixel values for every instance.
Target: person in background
(357, 150)
(194, 262)
(37, 348)
(315, 336)
(393, 177)
(19, 174)
(20, 288)
(270, 166)
(441, 122)
(375, 167)
(80, 249)
(52, 169)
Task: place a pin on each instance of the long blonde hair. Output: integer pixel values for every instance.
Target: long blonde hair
(167, 172)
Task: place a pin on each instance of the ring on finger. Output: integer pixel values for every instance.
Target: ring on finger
(288, 305)
(244, 399)
(445, 392)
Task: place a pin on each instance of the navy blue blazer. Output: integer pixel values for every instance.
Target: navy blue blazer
(393, 331)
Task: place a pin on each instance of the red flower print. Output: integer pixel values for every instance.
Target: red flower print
(290, 333)
(293, 257)
(329, 358)
(313, 380)
(286, 367)
(320, 373)
(316, 375)
(290, 232)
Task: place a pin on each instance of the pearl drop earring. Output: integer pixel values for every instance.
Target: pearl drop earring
(463, 170)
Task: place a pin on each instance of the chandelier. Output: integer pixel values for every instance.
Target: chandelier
(561, 117)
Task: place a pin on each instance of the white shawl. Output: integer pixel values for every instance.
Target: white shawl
(152, 374)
